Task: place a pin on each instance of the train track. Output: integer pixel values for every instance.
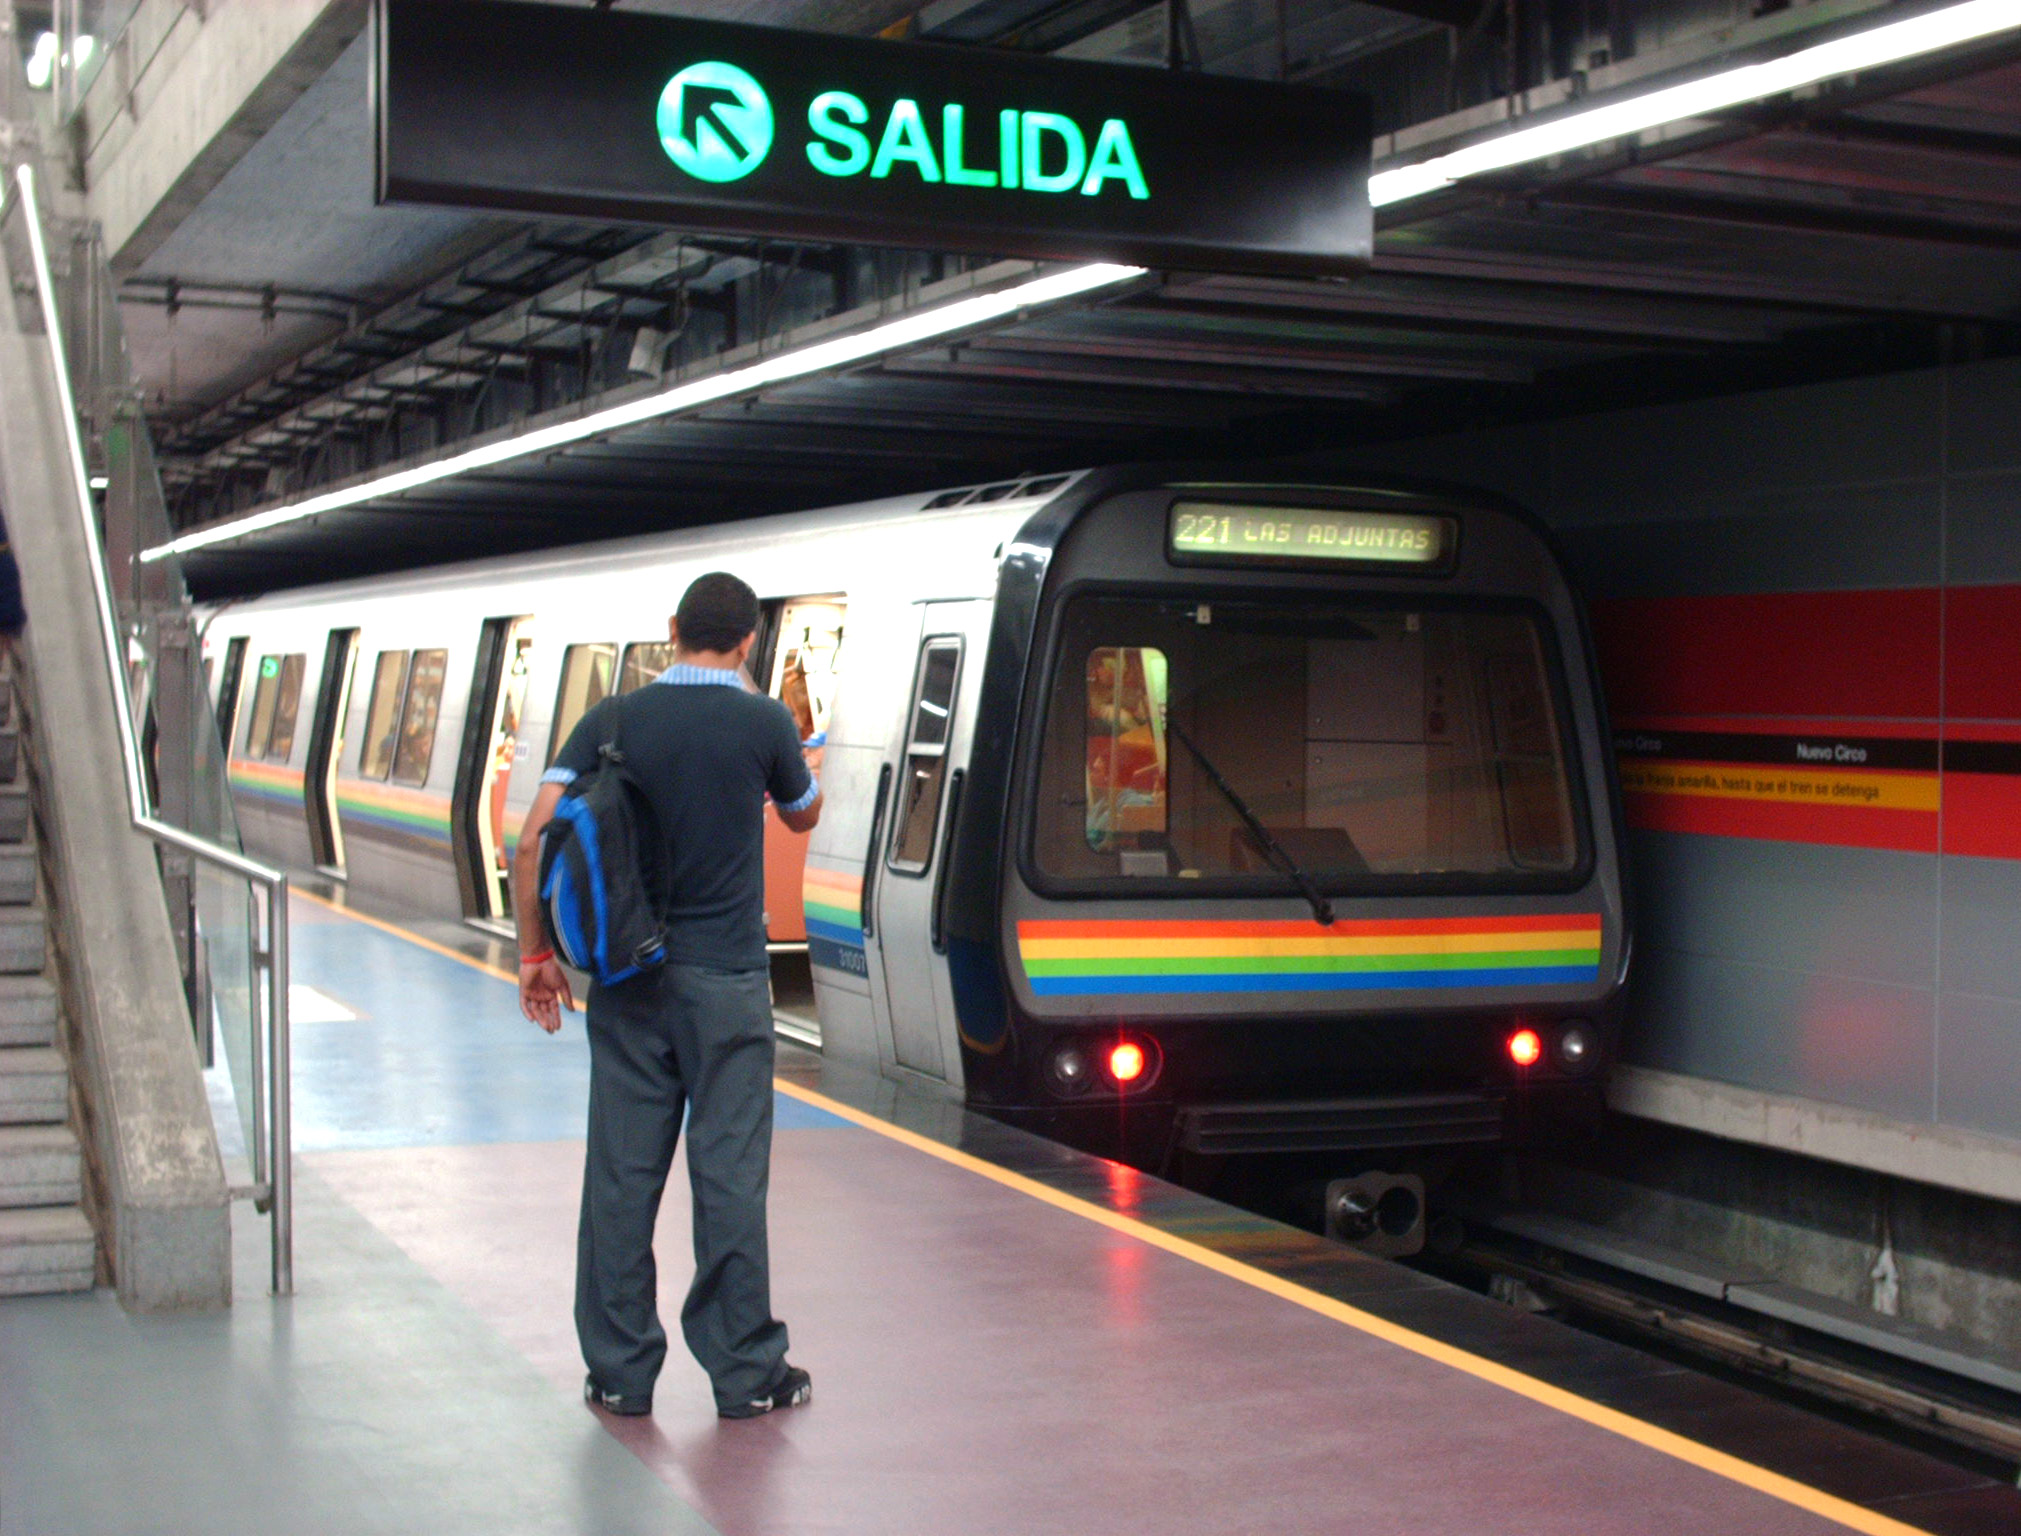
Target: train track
(1966, 1417)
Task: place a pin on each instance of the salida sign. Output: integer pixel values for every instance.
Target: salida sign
(716, 123)
(711, 125)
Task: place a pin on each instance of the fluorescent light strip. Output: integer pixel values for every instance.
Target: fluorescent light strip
(820, 357)
(1731, 88)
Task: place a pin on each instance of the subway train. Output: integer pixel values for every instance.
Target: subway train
(1174, 814)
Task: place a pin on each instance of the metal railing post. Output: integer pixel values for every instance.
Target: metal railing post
(280, 1091)
(276, 1142)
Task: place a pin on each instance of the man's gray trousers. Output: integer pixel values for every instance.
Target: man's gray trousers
(681, 1037)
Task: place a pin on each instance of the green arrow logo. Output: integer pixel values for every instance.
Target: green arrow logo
(715, 122)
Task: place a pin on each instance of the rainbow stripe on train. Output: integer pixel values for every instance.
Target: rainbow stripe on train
(1070, 958)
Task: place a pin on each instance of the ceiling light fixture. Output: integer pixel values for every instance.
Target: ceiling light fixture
(1887, 44)
(895, 335)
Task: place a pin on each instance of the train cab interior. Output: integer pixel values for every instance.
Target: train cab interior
(1427, 747)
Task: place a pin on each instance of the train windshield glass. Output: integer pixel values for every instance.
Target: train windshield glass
(1374, 745)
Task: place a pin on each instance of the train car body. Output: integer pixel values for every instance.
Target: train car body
(1164, 812)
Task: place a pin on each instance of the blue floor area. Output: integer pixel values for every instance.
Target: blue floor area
(439, 1055)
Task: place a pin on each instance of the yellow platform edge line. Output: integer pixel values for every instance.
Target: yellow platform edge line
(413, 938)
(1774, 1484)
(1785, 1489)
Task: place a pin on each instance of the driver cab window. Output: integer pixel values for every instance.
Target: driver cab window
(1370, 744)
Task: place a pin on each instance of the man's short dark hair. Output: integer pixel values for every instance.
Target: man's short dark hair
(716, 612)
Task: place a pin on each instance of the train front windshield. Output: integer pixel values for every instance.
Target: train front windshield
(1379, 746)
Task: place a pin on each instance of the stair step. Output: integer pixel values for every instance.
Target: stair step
(24, 940)
(27, 1011)
(10, 755)
(34, 1086)
(17, 874)
(13, 813)
(44, 1250)
(40, 1165)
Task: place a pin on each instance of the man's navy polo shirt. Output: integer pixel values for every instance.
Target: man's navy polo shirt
(707, 756)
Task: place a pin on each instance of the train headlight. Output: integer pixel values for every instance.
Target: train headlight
(1526, 1048)
(1578, 1047)
(1072, 1069)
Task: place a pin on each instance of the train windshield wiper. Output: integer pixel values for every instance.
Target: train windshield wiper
(1322, 909)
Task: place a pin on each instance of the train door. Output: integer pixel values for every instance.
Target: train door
(491, 745)
(927, 789)
(798, 661)
(326, 747)
(801, 668)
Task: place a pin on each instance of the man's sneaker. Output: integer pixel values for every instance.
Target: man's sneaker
(793, 1388)
(610, 1402)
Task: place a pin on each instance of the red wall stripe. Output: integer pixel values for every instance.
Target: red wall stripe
(1830, 661)
(1786, 653)
(1982, 653)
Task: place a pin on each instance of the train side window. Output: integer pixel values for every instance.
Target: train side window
(806, 661)
(1128, 687)
(644, 661)
(586, 672)
(260, 729)
(418, 717)
(287, 701)
(230, 684)
(932, 723)
(382, 715)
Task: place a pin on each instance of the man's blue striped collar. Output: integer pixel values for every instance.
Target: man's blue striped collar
(681, 673)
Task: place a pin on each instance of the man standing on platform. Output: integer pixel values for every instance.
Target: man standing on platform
(694, 1034)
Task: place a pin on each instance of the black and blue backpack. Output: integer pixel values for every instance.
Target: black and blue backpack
(602, 889)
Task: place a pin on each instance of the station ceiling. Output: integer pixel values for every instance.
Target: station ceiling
(1867, 227)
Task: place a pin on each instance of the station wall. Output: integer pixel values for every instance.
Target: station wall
(1808, 607)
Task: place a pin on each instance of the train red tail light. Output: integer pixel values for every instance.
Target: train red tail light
(1526, 1048)
(1127, 1062)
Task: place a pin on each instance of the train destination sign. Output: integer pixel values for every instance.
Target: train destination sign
(1218, 533)
(711, 125)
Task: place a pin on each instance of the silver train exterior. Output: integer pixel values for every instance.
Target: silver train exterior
(1164, 811)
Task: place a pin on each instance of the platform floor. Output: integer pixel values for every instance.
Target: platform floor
(1005, 1337)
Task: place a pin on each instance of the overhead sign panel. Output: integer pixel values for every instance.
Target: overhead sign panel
(707, 125)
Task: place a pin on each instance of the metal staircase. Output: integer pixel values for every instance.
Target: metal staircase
(47, 1243)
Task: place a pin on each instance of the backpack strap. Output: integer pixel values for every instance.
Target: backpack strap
(610, 751)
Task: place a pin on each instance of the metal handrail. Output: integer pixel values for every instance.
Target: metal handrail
(272, 1143)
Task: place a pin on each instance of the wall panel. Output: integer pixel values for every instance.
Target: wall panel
(1808, 608)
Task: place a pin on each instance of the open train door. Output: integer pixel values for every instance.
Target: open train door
(326, 747)
(928, 769)
(491, 745)
(797, 660)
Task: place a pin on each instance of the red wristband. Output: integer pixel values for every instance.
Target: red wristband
(541, 957)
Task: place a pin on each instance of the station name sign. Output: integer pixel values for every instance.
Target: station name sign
(716, 126)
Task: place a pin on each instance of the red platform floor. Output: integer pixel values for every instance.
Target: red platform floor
(1005, 1337)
